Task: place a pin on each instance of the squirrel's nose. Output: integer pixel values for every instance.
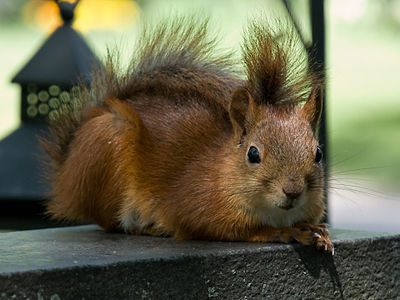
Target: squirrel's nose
(291, 194)
(293, 189)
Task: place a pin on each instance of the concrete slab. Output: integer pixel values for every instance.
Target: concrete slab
(84, 262)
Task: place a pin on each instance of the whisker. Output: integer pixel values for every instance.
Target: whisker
(339, 193)
(353, 189)
(337, 163)
(358, 179)
(356, 188)
(338, 172)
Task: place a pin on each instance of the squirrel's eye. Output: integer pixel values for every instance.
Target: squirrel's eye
(253, 155)
(318, 155)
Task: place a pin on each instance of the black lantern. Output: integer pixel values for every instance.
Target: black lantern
(48, 81)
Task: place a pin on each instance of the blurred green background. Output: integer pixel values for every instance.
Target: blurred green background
(363, 67)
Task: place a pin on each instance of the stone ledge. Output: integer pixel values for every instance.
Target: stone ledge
(84, 262)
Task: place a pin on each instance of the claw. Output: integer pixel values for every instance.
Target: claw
(317, 235)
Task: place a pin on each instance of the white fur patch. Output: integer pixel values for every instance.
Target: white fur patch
(278, 217)
(130, 221)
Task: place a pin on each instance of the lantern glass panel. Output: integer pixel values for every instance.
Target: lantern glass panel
(40, 103)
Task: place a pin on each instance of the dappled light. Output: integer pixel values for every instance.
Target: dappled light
(90, 14)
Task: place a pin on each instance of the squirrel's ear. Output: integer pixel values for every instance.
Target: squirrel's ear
(242, 112)
(312, 110)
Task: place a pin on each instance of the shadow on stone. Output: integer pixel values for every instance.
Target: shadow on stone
(315, 261)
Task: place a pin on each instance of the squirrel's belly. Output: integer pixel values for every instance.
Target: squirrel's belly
(130, 220)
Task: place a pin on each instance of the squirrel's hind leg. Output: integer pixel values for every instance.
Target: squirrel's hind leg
(150, 229)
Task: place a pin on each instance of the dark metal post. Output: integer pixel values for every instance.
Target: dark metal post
(318, 52)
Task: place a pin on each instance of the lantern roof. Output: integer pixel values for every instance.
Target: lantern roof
(64, 59)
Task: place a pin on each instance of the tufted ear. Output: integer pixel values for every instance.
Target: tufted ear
(312, 110)
(242, 113)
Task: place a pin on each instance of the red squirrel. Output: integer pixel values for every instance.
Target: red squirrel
(180, 144)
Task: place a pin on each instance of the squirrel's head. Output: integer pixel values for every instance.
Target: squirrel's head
(278, 153)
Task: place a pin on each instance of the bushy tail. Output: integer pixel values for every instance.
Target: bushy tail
(168, 51)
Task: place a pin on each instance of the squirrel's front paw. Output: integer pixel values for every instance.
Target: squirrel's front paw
(323, 243)
(319, 236)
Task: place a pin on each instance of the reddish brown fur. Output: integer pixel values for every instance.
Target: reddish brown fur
(162, 149)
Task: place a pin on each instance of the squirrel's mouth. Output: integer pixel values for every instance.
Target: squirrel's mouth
(277, 213)
(286, 206)
(287, 203)
(266, 202)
